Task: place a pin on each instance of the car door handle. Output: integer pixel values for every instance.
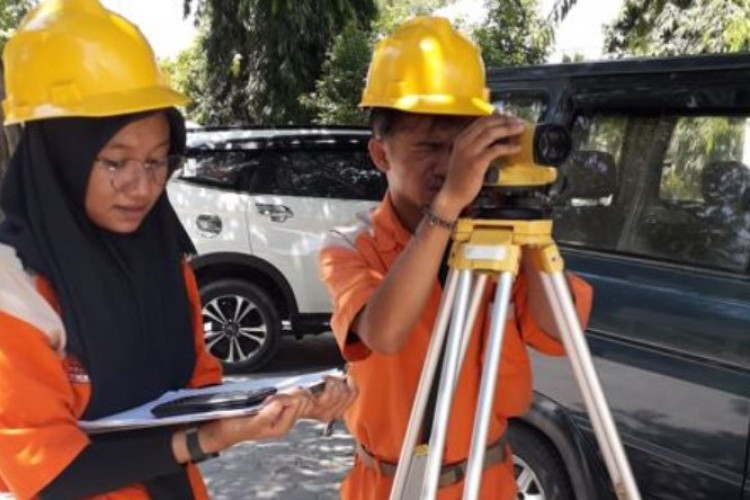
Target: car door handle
(209, 224)
(277, 213)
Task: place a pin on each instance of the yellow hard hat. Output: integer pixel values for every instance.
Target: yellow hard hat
(75, 58)
(427, 67)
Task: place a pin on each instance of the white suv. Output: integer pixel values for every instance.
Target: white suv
(257, 204)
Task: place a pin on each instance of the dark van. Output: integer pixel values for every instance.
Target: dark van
(655, 214)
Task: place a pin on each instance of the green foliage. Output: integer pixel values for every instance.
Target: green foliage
(11, 13)
(560, 9)
(339, 88)
(392, 14)
(187, 73)
(513, 34)
(696, 142)
(601, 132)
(300, 61)
(676, 27)
(337, 92)
(265, 54)
(575, 58)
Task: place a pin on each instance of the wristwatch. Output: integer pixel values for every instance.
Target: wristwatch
(194, 447)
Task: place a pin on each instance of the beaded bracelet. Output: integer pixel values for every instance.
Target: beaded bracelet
(435, 220)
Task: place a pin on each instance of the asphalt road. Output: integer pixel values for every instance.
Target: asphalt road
(303, 466)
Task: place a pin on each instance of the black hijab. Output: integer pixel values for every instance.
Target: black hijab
(124, 303)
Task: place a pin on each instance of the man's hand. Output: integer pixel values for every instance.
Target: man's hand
(338, 394)
(473, 150)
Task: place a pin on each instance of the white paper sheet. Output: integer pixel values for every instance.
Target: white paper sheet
(141, 416)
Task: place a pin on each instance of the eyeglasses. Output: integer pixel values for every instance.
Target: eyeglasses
(123, 173)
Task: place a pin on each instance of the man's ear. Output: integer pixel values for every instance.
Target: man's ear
(376, 147)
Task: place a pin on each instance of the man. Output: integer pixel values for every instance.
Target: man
(434, 136)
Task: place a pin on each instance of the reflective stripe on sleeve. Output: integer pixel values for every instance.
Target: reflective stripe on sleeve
(20, 298)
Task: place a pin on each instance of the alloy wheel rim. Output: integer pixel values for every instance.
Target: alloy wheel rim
(233, 328)
(529, 486)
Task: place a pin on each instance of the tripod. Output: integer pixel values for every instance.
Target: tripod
(484, 249)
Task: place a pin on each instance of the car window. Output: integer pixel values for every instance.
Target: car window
(220, 168)
(673, 187)
(529, 107)
(342, 174)
(605, 133)
(586, 211)
(696, 143)
(702, 199)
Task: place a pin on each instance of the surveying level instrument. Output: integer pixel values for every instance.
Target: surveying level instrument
(511, 217)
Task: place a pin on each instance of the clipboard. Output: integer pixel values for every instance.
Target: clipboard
(142, 416)
(199, 403)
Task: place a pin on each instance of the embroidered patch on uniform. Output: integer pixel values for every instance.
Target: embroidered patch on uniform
(76, 373)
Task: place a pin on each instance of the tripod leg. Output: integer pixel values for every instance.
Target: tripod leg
(578, 370)
(423, 391)
(448, 378)
(483, 414)
(566, 320)
(476, 300)
(408, 480)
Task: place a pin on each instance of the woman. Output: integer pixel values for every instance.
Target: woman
(98, 310)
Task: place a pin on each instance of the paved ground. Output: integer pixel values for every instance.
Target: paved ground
(303, 466)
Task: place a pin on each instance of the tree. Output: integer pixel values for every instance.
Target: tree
(187, 72)
(675, 27)
(265, 54)
(392, 13)
(280, 61)
(575, 58)
(514, 34)
(337, 91)
(339, 88)
(560, 10)
(11, 13)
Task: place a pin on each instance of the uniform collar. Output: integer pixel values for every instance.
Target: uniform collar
(390, 233)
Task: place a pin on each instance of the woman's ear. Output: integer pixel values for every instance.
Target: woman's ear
(376, 147)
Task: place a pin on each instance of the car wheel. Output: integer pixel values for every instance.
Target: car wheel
(240, 323)
(540, 473)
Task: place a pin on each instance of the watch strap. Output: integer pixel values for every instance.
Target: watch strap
(194, 447)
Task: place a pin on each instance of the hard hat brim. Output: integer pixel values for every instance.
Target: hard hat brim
(97, 106)
(438, 104)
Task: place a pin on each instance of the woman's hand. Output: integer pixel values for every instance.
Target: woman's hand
(275, 419)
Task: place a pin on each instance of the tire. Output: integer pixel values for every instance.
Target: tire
(540, 472)
(241, 324)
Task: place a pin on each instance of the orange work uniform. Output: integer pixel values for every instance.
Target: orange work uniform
(354, 262)
(43, 392)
